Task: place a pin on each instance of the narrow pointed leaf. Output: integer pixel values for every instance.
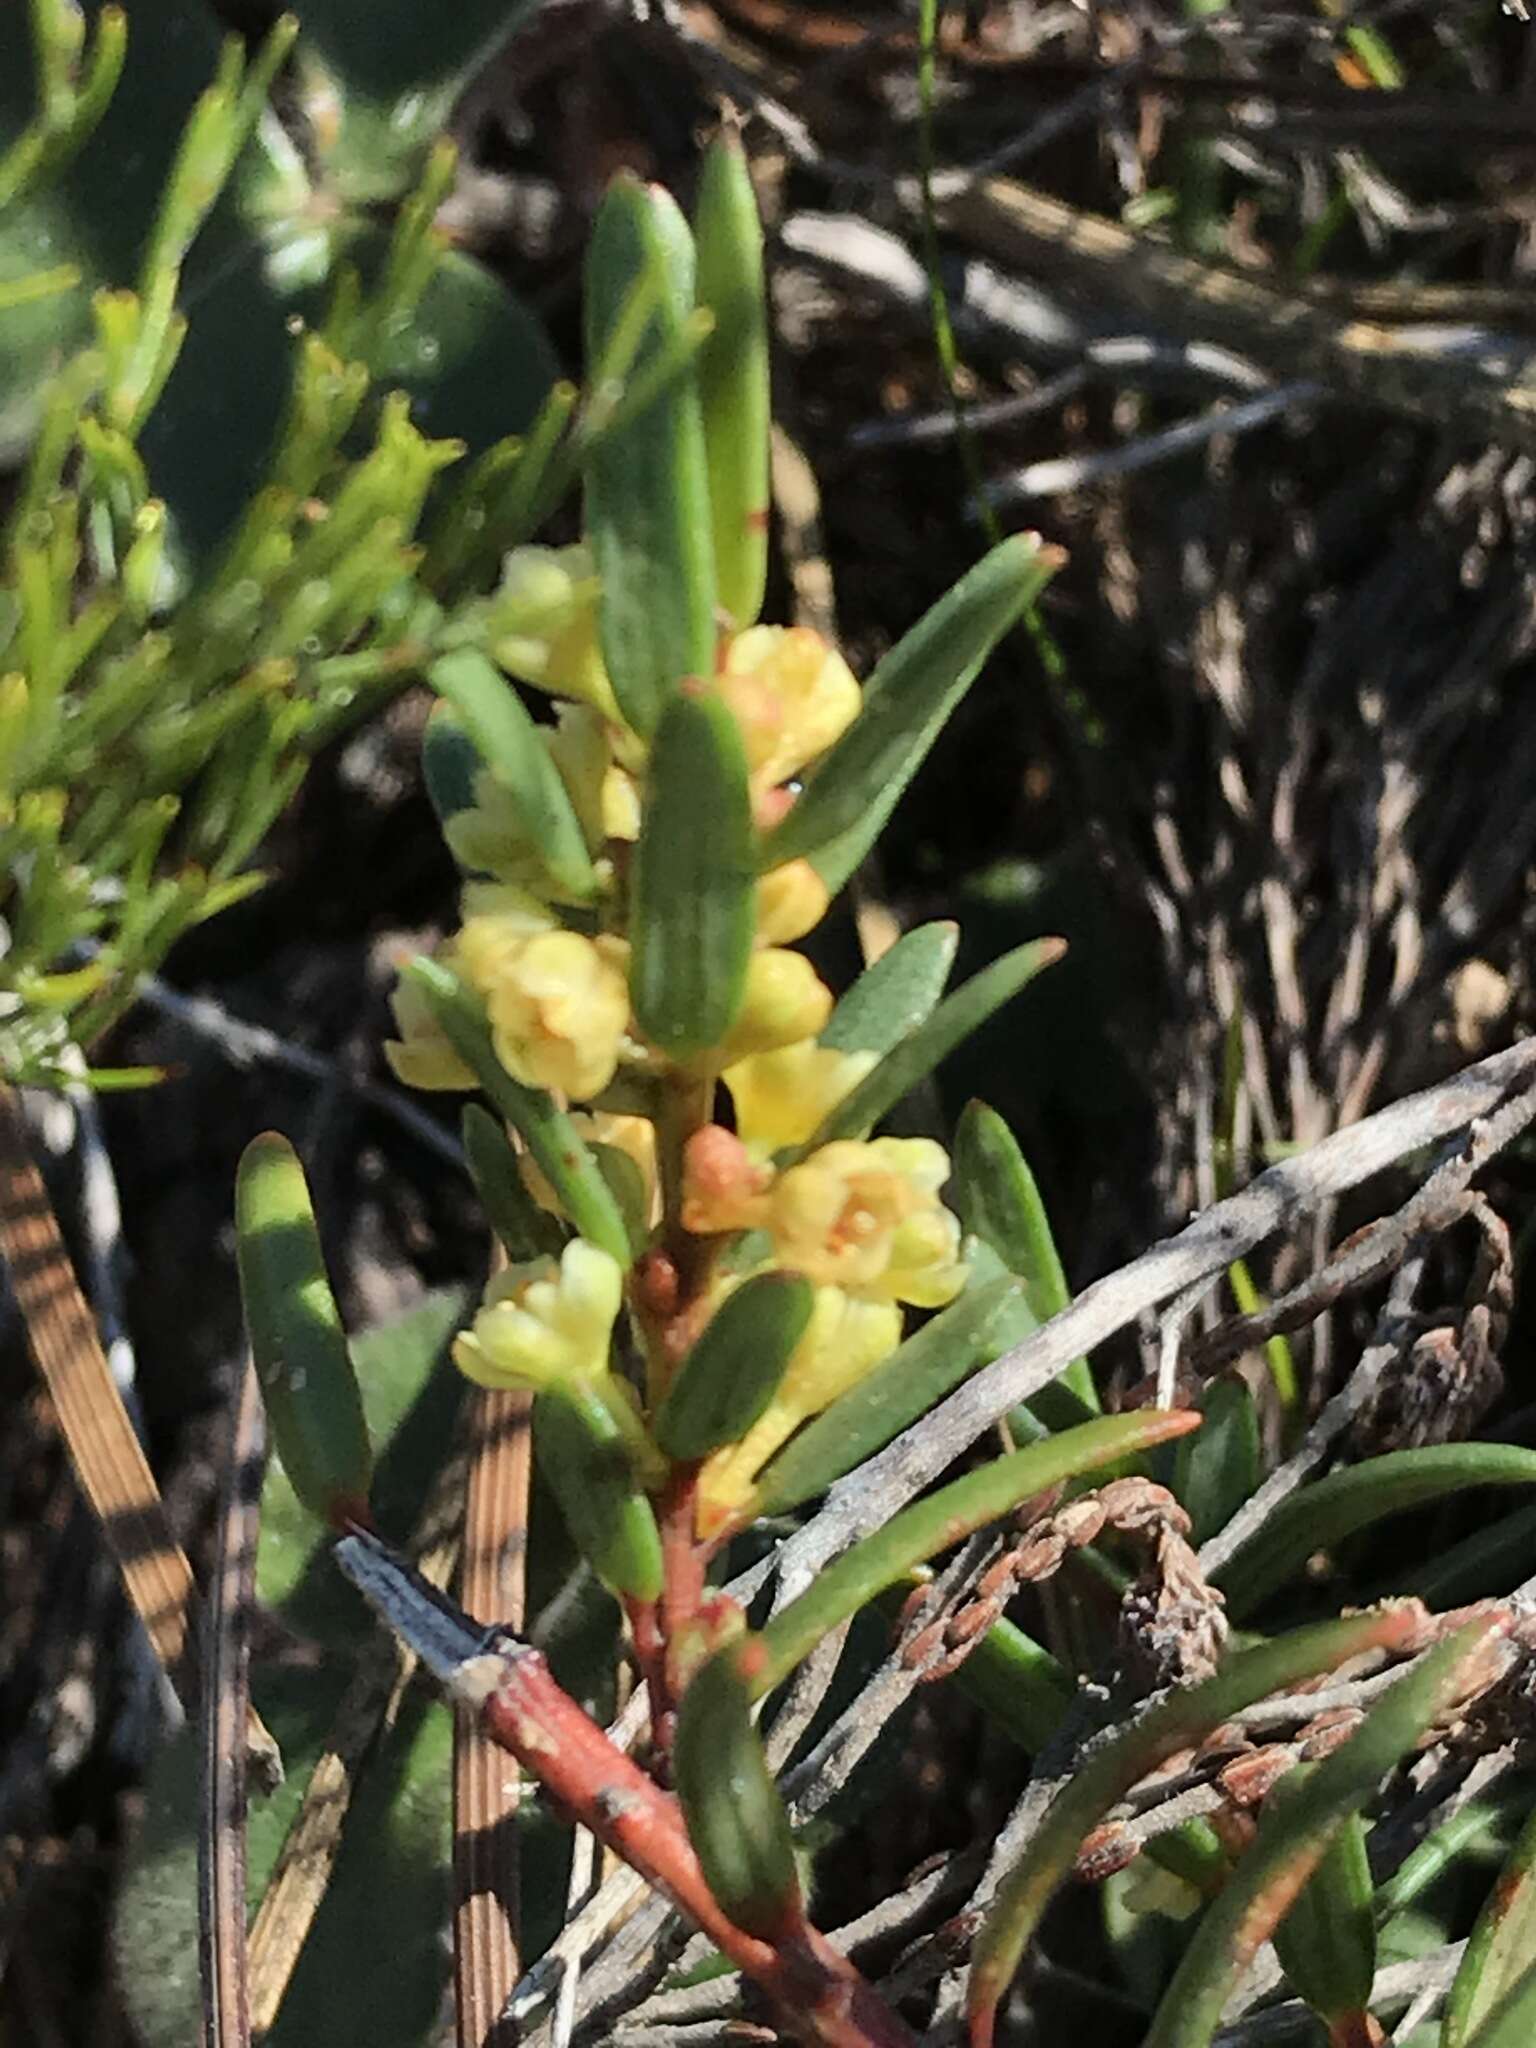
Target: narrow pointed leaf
(999, 1201)
(630, 1191)
(297, 1342)
(906, 704)
(693, 900)
(524, 1230)
(733, 377)
(1502, 1945)
(504, 733)
(897, 993)
(1335, 1507)
(946, 1517)
(1216, 1471)
(1327, 1941)
(1100, 1780)
(549, 1134)
(916, 1056)
(732, 1372)
(647, 483)
(583, 1456)
(1271, 1873)
(1512, 2023)
(904, 1386)
(735, 1817)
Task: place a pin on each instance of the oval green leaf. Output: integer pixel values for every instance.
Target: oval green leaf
(693, 904)
(1327, 1941)
(298, 1345)
(735, 1817)
(583, 1456)
(733, 376)
(732, 1372)
(896, 993)
(647, 482)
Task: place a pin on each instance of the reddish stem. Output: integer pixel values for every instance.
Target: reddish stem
(818, 1993)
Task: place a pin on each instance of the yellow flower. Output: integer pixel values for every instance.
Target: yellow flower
(785, 1000)
(542, 1324)
(605, 797)
(544, 624)
(792, 695)
(865, 1215)
(843, 1342)
(558, 1014)
(557, 1001)
(791, 900)
(781, 1097)
(492, 838)
(422, 1057)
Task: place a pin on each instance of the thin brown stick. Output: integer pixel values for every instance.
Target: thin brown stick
(486, 1789)
(223, 1706)
(108, 1459)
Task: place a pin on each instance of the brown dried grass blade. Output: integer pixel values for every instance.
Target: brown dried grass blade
(223, 1706)
(486, 1785)
(367, 1711)
(113, 1472)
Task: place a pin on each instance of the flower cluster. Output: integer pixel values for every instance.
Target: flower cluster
(861, 1220)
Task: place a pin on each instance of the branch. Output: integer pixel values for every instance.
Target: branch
(875, 1490)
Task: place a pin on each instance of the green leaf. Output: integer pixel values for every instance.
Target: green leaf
(549, 1134)
(896, 994)
(999, 1202)
(1327, 1941)
(906, 703)
(1216, 1471)
(647, 482)
(524, 1230)
(297, 1341)
(947, 1516)
(1324, 1513)
(734, 1369)
(735, 1817)
(904, 1386)
(583, 1455)
(1103, 1778)
(916, 1056)
(450, 761)
(1513, 2020)
(733, 376)
(499, 724)
(1286, 1852)
(1501, 1946)
(693, 899)
(1018, 1684)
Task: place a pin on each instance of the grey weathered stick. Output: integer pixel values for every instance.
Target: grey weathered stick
(873, 1491)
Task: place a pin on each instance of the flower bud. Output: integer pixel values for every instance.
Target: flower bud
(543, 1324)
(544, 624)
(792, 694)
(781, 1097)
(791, 900)
(785, 1000)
